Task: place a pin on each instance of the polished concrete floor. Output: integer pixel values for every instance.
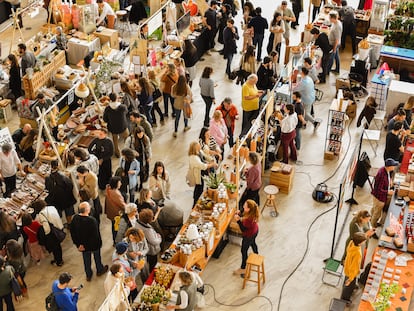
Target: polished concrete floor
(286, 242)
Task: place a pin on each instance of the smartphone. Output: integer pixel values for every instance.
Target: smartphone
(79, 287)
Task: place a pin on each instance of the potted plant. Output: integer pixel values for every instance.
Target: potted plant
(213, 180)
(382, 302)
(231, 190)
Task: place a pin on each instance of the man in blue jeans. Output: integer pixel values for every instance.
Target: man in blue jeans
(335, 35)
(87, 238)
(259, 25)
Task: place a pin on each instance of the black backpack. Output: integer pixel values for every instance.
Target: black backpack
(51, 304)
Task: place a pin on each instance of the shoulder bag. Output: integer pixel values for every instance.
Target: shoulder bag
(59, 234)
(15, 286)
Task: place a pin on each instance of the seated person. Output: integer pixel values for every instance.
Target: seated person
(42, 102)
(105, 14)
(399, 117)
(368, 112)
(18, 134)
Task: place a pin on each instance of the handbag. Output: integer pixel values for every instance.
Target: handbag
(188, 111)
(15, 286)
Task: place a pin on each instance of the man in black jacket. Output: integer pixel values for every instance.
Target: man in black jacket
(103, 148)
(60, 188)
(346, 13)
(322, 41)
(265, 80)
(87, 238)
(259, 25)
(230, 36)
(210, 21)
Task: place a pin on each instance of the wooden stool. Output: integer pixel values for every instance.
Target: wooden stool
(255, 263)
(5, 106)
(271, 191)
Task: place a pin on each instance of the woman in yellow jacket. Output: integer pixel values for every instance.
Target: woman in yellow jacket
(352, 265)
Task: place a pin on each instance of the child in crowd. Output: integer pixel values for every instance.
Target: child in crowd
(31, 227)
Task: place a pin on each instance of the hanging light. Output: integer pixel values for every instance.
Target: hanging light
(82, 91)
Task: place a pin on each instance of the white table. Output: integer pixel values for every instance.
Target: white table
(78, 49)
(398, 92)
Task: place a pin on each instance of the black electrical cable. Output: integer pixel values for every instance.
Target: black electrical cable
(306, 251)
(239, 304)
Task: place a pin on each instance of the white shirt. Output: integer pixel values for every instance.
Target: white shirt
(106, 10)
(8, 164)
(49, 214)
(288, 124)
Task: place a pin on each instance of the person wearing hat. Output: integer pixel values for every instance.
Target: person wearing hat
(60, 189)
(128, 219)
(9, 163)
(87, 238)
(382, 188)
(66, 298)
(265, 80)
(322, 41)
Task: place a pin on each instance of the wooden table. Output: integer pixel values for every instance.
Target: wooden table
(406, 281)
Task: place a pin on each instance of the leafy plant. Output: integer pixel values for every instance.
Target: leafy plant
(382, 302)
(213, 180)
(231, 187)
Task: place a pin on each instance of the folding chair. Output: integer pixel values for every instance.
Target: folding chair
(372, 136)
(334, 268)
(379, 116)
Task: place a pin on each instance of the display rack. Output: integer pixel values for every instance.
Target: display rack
(379, 90)
(336, 127)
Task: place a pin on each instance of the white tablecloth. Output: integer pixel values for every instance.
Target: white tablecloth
(78, 49)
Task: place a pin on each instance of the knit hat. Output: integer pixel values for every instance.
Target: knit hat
(391, 162)
(121, 247)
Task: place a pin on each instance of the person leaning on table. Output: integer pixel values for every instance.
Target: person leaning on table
(105, 13)
(187, 297)
(382, 188)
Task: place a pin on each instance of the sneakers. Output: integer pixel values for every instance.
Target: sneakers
(316, 124)
(89, 278)
(175, 134)
(104, 270)
(187, 128)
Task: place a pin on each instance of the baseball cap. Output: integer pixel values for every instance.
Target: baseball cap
(391, 162)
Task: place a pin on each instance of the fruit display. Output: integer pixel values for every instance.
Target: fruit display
(164, 276)
(155, 294)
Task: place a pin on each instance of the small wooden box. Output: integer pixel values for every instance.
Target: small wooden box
(329, 155)
(411, 191)
(410, 245)
(108, 35)
(283, 181)
(189, 260)
(403, 191)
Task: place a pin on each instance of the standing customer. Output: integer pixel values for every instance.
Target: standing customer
(145, 91)
(114, 202)
(130, 169)
(129, 99)
(30, 228)
(169, 78)
(142, 145)
(382, 188)
(47, 215)
(115, 115)
(28, 59)
(210, 21)
(182, 93)
(247, 65)
(306, 88)
(335, 36)
(60, 188)
(230, 115)
(9, 163)
(128, 219)
(156, 97)
(103, 148)
(248, 224)
(253, 180)
(322, 41)
(190, 58)
(259, 25)
(277, 28)
(15, 80)
(347, 16)
(265, 75)
(6, 273)
(297, 6)
(218, 130)
(230, 35)
(196, 168)
(88, 182)
(288, 125)
(187, 296)
(146, 217)
(250, 102)
(66, 298)
(352, 265)
(207, 92)
(394, 148)
(300, 112)
(287, 16)
(159, 184)
(139, 119)
(316, 8)
(90, 161)
(87, 238)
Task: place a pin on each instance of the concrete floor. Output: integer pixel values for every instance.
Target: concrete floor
(282, 241)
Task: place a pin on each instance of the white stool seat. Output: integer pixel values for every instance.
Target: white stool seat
(271, 190)
(121, 13)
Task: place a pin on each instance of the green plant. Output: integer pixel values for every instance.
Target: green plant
(213, 180)
(231, 187)
(382, 302)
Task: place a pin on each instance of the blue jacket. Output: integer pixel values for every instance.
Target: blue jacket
(133, 178)
(65, 299)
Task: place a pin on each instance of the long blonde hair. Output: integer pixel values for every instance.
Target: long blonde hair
(253, 212)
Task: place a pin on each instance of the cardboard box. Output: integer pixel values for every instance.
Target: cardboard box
(351, 109)
(411, 191)
(108, 35)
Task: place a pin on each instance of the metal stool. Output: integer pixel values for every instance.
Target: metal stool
(271, 191)
(255, 261)
(122, 21)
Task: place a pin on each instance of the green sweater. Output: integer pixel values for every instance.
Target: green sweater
(5, 278)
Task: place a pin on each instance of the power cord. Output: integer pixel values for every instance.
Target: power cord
(306, 251)
(239, 304)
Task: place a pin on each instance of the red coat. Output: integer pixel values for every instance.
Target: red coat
(229, 116)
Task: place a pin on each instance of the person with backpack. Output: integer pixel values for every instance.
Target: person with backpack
(60, 188)
(6, 274)
(65, 298)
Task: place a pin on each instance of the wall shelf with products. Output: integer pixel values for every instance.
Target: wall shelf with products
(336, 127)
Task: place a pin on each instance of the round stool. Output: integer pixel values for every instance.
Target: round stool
(122, 20)
(271, 192)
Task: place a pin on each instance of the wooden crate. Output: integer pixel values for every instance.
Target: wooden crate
(108, 35)
(283, 181)
(410, 245)
(59, 60)
(189, 260)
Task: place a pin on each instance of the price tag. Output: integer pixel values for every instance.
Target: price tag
(71, 96)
